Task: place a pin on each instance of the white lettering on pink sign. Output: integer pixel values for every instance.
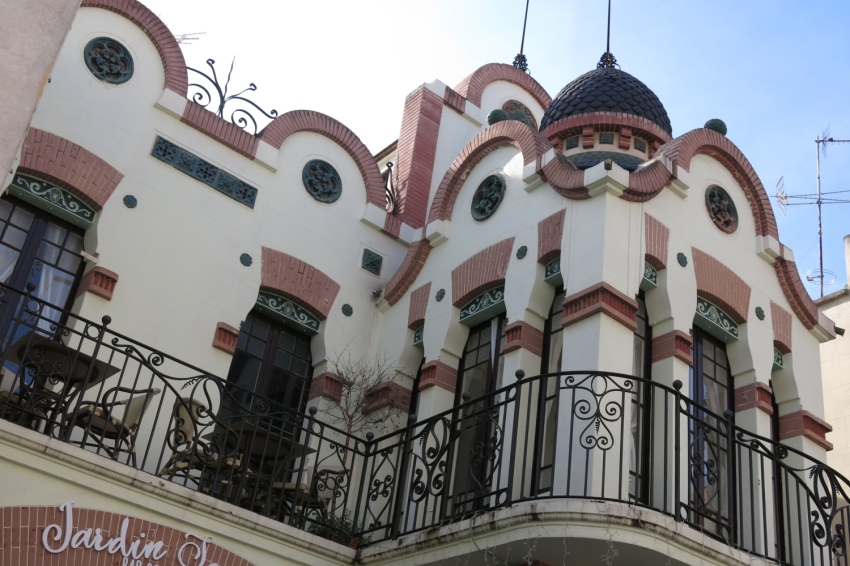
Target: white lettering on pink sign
(58, 538)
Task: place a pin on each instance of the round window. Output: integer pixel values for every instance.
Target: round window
(721, 209)
(488, 196)
(322, 181)
(108, 60)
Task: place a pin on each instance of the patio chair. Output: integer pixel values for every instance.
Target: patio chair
(17, 403)
(190, 453)
(310, 497)
(112, 424)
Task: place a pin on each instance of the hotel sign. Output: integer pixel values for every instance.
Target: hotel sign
(66, 535)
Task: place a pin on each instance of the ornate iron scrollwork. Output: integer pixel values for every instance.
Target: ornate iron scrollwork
(607, 61)
(240, 116)
(108, 60)
(488, 196)
(389, 190)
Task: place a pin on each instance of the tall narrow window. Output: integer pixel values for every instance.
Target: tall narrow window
(547, 425)
(479, 375)
(37, 248)
(711, 392)
(271, 361)
(640, 407)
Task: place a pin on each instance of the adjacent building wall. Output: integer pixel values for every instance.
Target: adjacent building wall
(32, 32)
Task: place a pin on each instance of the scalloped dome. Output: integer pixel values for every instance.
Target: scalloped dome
(607, 90)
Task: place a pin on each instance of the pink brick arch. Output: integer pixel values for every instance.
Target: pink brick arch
(309, 121)
(719, 284)
(176, 76)
(299, 281)
(67, 165)
(481, 272)
(510, 132)
(708, 142)
(472, 87)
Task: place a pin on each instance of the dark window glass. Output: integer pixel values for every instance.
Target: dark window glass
(479, 374)
(553, 345)
(711, 391)
(640, 407)
(271, 361)
(37, 248)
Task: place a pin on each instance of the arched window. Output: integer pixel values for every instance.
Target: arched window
(547, 410)
(37, 248)
(479, 374)
(712, 390)
(271, 361)
(640, 407)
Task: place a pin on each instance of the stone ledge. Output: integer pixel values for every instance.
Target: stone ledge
(161, 493)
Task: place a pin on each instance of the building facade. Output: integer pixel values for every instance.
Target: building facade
(835, 357)
(581, 335)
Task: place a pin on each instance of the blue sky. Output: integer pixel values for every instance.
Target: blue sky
(775, 71)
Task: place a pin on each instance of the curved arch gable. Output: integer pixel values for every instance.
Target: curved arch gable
(708, 142)
(472, 87)
(70, 166)
(176, 75)
(309, 121)
(510, 132)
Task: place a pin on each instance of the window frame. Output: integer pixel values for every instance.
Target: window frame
(28, 255)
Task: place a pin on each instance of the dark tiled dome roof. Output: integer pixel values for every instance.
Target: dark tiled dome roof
(607, 90)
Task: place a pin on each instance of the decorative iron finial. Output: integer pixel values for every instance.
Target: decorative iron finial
(608, 61)
(520, 61)
(212, 94)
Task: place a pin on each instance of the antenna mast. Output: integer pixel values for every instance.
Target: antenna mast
(820, 274)
(520, 61)
(608, 61)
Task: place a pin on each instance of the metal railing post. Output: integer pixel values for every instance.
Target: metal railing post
(730, 475)
(370, 437)
(677, 444)
(515, 434)
(401, 484)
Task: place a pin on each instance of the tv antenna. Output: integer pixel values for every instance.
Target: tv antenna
(188, 38)
(818, 275)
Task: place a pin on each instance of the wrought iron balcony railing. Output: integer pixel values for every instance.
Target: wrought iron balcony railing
(572, 435)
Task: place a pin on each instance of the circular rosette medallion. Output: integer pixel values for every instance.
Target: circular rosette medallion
(721, 209)
(488, 196)
(322, 181)
(108, 60)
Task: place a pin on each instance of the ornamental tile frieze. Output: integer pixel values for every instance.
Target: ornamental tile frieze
(204, 171)
(288, 312)
(715, 321)
(650, 277)
(56, 200)
(552, 273)
(483, 306)
(777, 360)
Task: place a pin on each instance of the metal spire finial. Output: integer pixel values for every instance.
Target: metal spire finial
(608, 61)
(520, 61)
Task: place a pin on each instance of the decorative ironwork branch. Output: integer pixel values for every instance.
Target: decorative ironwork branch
(239, 116)
(392, 197)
